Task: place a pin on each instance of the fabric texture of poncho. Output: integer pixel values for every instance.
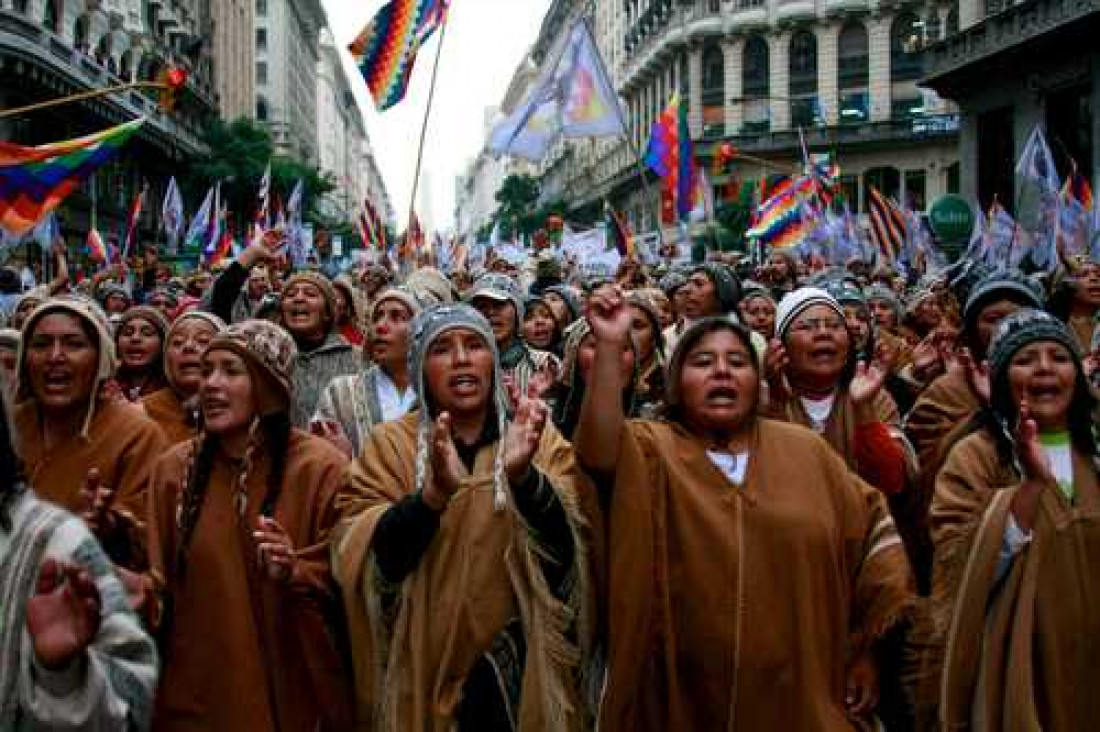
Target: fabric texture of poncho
(1024, 653)
(738, 607)
(480, 571)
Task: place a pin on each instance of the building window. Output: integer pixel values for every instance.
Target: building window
(714, 91)
(854, 107)
(852, 57)
(906, 36)
(261, 39)
(261, 8)
(261, 72)
(916, 190)
(51, 16)
(261, 109)
(886, 180)
(755, 84)
(907, 108)
(805, 110)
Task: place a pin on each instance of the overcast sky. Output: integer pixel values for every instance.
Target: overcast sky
(486, 39)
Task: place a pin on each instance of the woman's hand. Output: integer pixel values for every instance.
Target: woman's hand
(867, 382)
(862, 686)
(274, 549)
(97, 500)
(776, 361)
(448, 471)
(63, 614)
(609, 315)
(522, 439)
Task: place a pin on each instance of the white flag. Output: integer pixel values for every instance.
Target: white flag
(171, 212)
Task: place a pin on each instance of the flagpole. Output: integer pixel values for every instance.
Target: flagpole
(424, 126)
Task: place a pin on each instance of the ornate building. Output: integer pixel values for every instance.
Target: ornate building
(234, 55)
(53, 48)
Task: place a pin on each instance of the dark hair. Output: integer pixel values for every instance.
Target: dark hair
(691, 338)
(276, 429)
(12, 482)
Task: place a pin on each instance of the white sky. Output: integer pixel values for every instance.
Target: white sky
(486, 39)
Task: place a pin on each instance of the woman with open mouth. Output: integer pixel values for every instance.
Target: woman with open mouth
(139, 340)
(84, 450)
(1016, 524)
(461, 553)
(239, 593)
(723, 530)
(175, 408)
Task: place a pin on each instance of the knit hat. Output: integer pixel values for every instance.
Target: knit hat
(548, 266)
(672, 282)
(570, 297)
(145, 312)
(430, 286)
(727, 288)
(1002, 285)
(795, 303)
(848, 294)
(1023, 328)
(107, 289)
(428, 326)
(886, 295)
(402, 294)
(318, 280)
(89, 313)
(500, 288)
(269, 354)
(751, 290)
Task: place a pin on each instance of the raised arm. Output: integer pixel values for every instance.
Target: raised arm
(598, 434)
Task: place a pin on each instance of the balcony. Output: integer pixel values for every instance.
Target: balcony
(838, 7)
(795, 10)
(886, 134)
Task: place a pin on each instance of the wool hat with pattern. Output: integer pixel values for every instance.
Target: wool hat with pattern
(795, 303)
(270, 356)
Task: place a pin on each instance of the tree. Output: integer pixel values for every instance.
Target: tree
(518, 196)
(734, 216)
(239, 153)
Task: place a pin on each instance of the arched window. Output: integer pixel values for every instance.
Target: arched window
(714, 90)
(755, 84)
(20, 6)
(80, 33)
(803, 78)
(953, 20)
(126, 68)
(906, 36)
(853, 73)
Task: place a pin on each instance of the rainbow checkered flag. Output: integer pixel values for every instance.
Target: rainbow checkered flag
(385, 51)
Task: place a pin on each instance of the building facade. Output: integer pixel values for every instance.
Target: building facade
(1011, 66)
(55, 48)
(232, 24)
(286, 42)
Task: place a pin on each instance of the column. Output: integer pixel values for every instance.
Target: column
(1095, 119)
(878, 41)
(779, 82)
(970, 13)
(828, 93)
(695, 90)
(733, 49)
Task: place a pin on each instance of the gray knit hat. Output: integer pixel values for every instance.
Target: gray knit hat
(500, 288)
(886, 295)
(1002, 284)
(1021, 329)
(794, 303)
(429, 325)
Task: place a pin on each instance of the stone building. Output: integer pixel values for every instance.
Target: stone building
(234, 56)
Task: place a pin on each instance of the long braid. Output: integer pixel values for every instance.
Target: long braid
(196, 483)
(277, 429)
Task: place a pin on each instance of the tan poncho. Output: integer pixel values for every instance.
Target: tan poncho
(480, 571)
(739, 607)
(1024, 654)
(164, 408)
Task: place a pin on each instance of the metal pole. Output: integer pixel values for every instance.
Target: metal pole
(81, 97)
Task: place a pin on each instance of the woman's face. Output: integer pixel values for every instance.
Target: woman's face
(225, 393)
(343, 307)
(759, 315)
(557, 306)
(389, 336)
(641, 330)
(700, 297)
(183, 354)
(719, 384)
(1044, 375)
(859, 325)
(817, 344)
(1087, 286)
(116, 304)
(988, 319)
(586, 359)
(501, 315)
(139, 344)
(929, 313)
(884, 315)
(62, 361)
(539, 326)
(303, 308)
(458, 372)
(664, 312)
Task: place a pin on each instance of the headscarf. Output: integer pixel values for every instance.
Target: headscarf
(428, 326)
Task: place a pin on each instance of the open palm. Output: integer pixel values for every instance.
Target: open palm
(63, 614)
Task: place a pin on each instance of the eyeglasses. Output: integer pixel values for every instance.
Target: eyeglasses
(810, 325)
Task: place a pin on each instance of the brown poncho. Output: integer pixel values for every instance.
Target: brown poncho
(1023, 654)
(222, 671)
(164, 408)
(121, 443)
(739, 607)
(480, 571)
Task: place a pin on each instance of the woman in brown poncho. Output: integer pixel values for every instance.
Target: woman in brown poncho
(241, 597)
(461, 555)
(1016, 523)
(749, 573)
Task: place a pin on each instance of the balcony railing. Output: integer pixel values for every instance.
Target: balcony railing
(923, 127)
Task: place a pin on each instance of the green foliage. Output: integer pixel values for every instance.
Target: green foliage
(239, 152)
(517, 198)
(734, 217)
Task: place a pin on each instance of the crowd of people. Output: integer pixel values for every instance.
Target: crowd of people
(712, 496)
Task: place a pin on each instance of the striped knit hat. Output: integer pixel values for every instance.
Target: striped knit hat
(795, 303)
(269, 354)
